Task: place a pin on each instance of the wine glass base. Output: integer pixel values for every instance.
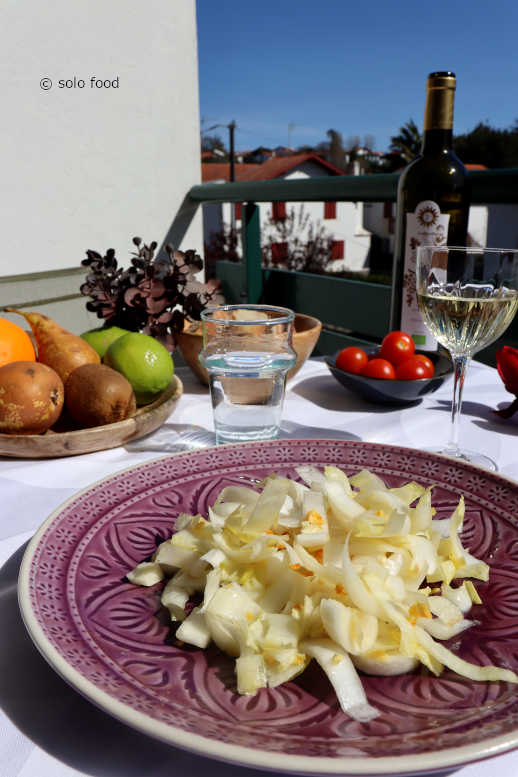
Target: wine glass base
(471, 457)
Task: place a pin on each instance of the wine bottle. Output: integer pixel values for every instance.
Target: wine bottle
(432, 206)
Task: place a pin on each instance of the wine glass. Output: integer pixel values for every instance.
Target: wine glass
(467, 298)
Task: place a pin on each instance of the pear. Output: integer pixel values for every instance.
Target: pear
(57, 347)
(31, 397)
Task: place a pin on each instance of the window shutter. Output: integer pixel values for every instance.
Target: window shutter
(330, 210)
(278, 211)
(337, 249)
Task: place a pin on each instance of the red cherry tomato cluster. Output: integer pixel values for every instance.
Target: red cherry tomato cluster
(395, 360)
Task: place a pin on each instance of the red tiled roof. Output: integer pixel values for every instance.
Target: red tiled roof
(220, 171)
(279, 165)
(272, 168)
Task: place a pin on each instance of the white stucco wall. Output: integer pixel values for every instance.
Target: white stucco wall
(375, 220)
(477, 225)
(91, 167)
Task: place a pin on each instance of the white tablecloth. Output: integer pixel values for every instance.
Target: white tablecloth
(46, 728)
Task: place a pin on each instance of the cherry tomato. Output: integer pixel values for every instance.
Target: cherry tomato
(352, 359)
(396, 347)
(413, 368)
(379, 368)
(427, 362)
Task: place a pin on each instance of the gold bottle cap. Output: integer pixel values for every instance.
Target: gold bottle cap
(441, 80)
(440, 92)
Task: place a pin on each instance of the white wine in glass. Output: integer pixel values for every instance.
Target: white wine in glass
(467, 298)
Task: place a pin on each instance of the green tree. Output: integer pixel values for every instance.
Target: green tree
(332, 150)
(214, 143)
(408, 142)
(488, 146)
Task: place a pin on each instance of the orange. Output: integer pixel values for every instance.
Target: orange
(15, 344)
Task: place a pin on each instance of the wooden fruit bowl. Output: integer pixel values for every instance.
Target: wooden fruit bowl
(54, 444)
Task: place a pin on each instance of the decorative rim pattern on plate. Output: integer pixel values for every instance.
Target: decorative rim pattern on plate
(109, 640)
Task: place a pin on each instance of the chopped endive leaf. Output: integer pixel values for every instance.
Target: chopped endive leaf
(354, 630)
(342, 675)
(251, 673)
(334, 473)
(194, 630)
(472, 591)
(409, 492)
(344, 508)
(365, 480)
(146, 573)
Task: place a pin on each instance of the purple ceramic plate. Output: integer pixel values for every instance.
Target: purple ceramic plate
(106, 637)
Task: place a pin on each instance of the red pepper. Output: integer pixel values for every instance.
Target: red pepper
(507, 366)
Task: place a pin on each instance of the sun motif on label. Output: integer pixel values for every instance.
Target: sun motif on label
(428, 215)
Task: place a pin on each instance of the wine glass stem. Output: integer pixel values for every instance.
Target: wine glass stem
(460, 366)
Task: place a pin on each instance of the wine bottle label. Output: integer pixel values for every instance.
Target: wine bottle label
(426, 226)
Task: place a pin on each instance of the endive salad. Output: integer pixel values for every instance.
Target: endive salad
(343, 570)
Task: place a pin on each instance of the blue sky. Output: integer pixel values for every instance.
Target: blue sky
(359, 68)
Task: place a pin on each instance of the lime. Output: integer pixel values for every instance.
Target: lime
(144, 362)
(101, 339)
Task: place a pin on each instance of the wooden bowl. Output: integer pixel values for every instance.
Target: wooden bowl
(97, 438)
(305, 336)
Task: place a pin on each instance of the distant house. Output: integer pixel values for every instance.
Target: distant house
(360, 159)
(340, 222)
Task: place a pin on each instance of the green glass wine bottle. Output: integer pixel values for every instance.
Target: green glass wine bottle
(433, 202)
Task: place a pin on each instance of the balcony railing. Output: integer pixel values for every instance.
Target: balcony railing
(358, 309)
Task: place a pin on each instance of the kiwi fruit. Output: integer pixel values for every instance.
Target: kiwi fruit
(96, 395)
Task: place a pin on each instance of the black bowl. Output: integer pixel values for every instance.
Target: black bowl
(392, 392)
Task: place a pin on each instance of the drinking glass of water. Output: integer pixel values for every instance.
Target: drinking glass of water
(467, 298)
(247, 351)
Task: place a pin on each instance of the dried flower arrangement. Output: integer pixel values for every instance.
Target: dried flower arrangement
(154, 295)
